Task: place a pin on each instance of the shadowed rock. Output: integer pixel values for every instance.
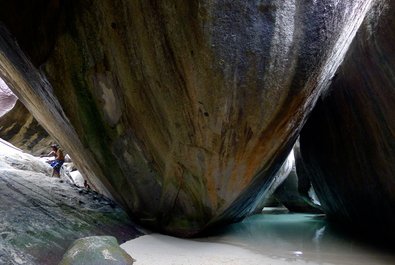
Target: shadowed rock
(19, 127)
(280, 176)
(182, 110)
(348, 144)
(296, 192)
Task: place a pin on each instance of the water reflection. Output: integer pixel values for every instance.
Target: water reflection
(300, 237)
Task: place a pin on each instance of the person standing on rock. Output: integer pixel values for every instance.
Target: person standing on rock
(59, 160)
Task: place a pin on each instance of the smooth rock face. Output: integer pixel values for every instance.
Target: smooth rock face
(182, 110)
(96, 250)
(348, 144)
(40, 216)
(19, 127)
(7, 98)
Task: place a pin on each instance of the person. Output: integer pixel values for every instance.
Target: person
(86, 185)
(57, 163)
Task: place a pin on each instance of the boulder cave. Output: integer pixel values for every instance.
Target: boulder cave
(183, 111)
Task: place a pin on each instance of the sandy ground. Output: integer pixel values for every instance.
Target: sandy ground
(166, 250)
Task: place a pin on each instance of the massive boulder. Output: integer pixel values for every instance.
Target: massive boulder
(183, 111)
(348, 144)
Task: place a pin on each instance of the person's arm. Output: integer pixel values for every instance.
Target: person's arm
(52, 153)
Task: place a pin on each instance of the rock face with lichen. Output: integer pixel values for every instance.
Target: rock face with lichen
(348, 145)
(181, 110)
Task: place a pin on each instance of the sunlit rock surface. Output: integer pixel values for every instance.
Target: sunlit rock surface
(7, 98)
(19, 127)
(182, 111)
(40, 217)
(348, 145)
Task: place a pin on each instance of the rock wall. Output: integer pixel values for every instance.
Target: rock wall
(19, 127)
(182, 110)
(348, 144)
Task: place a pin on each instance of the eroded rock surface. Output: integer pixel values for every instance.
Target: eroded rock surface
(40, 217)
(182, 110)
(348, 145)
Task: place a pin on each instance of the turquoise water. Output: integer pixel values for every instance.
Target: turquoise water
(300, 237)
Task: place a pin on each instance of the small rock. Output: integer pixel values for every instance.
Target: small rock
(96, 250)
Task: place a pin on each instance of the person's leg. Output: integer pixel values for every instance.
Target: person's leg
(57, 170)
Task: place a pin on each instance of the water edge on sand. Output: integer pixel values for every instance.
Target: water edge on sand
(276, 239)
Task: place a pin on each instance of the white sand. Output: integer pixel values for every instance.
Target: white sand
(165, 250)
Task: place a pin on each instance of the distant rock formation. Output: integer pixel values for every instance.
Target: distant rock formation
(281, 175)
(19, 127)
(348, 144)
(182, 111)
(296, 192)
(292, 187)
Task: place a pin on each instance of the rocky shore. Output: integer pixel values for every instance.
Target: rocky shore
(40, 216)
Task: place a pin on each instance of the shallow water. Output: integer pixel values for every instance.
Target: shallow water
(302, 237)
(261, 239)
